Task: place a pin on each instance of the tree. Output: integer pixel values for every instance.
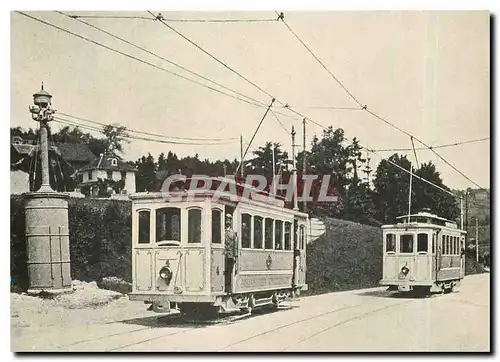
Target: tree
(115, 137)
(262, 163)
(146, 174)
(392, 187)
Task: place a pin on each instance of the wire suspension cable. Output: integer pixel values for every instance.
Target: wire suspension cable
(161, 57)
(282, 18)
(364, 107)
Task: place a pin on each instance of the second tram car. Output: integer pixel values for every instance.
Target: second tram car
(423, 252)
(179, 256)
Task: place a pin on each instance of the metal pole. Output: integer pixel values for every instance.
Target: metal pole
(477, 242)
(304, 163)
(44, 154)
(295, 205)
(241, 156)
(409, 193)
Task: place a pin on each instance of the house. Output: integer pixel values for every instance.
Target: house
(75, 155)
(107, 168)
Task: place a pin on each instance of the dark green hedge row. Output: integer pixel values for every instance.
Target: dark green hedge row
(100, 240)
(348, 256)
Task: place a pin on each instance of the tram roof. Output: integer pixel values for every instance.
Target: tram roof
(426, 215)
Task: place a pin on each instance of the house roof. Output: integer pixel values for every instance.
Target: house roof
(75, 152)
(105, 162)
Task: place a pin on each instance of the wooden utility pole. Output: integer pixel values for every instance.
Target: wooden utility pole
(241, 156)
(295, 205)
(477, 241)
(304, 164)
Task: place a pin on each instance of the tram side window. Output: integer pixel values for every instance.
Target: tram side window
(447, 245)
(456, 245)
(144, 218)
(442, 244)
(278, 235)
(257, 232)
(288, 235)
(168, 224)
(216, 226)
(246, 221)
(433, 243)
(406, 243)
(390, 243)
(302, 237)
(194, 226)
(268, 234)
(422, 242)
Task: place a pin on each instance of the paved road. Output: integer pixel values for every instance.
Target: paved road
(368, 320)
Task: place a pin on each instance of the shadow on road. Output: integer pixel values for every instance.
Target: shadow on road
(177, 320)
(394, 294)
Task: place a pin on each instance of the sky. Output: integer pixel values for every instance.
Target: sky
(425, 72)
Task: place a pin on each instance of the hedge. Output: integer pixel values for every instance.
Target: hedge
(99, 234)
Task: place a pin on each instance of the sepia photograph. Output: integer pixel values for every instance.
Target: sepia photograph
(250, 181)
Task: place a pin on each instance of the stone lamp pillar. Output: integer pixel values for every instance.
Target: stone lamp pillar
(47, 230)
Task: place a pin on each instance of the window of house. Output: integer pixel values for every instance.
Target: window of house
(124, 175)
(406, 243)
(110, 175)
(422, 242)
(246, 221)
(114, 162)
(144, 218)
(278, 235)
(168, 224)
(194, 226)
(268, 233)
(216, 226)
(89, 175)
(288, 235)
(257, 232)
(390, 243)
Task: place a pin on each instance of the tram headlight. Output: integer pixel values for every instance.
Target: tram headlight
(166, 274)
(405, 270)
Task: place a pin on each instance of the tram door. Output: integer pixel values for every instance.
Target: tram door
(299, 259)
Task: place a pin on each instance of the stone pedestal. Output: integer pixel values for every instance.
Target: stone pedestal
(47, 242)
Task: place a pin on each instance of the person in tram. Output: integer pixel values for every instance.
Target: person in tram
(231, 247)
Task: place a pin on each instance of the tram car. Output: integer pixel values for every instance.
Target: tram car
(423, 253)
(179, 258)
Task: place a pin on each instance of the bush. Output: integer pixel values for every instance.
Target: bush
(99, 234)
(348, 256)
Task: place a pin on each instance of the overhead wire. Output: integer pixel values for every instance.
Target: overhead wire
(437, 146)
(73, 123)
(187, 39)
(150, 133)
(365, 108)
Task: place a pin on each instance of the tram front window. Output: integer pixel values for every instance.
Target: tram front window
(246, 220)
(168, 224)
(406, 243)
(422, 243)
(194, 226)
(390, 243)
(143, 227)
(216, 226)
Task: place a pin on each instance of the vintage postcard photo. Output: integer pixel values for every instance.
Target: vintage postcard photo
(250, 181)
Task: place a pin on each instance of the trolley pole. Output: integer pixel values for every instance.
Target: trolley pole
(295, 201)
(304, 163)
(409, 193)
